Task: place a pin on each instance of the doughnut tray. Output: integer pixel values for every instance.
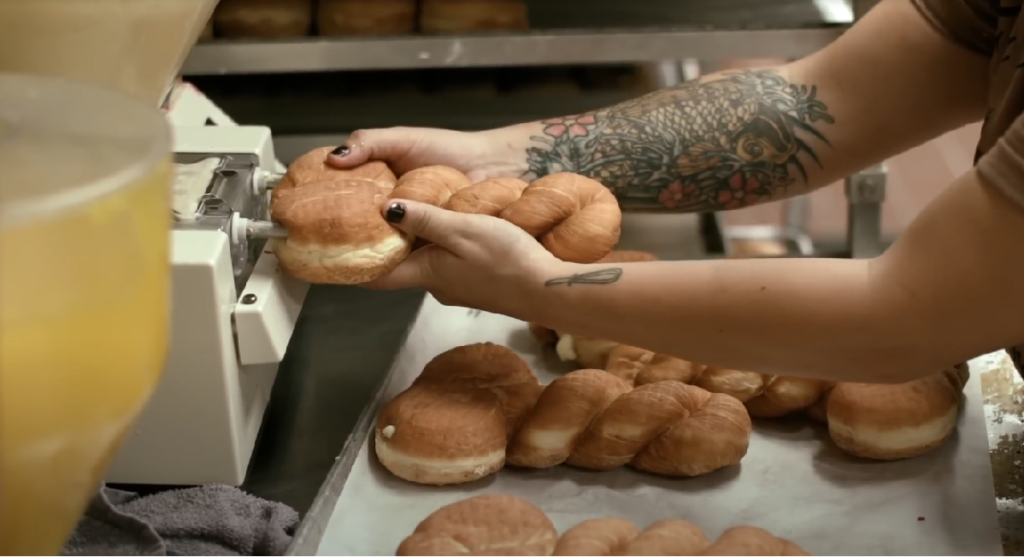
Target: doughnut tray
(792, 482)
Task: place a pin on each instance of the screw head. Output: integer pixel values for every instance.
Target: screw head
(249, 299)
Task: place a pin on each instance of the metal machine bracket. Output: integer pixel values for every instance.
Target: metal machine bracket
(865, 193)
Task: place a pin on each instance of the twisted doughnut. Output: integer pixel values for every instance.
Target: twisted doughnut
(575, 218)
(504, 525)
(881, 422)
(337, 235)
(475, 408)
(907, 419)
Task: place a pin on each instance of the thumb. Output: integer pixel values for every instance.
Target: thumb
(386, 144)
(413, 272)
(443, 228)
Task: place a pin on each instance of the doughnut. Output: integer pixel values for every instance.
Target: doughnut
(495, 524)
(475, 408)
(332, 240)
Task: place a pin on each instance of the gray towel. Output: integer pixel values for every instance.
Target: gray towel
(209, 520)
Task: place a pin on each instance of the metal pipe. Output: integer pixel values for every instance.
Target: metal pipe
(258, 229)
(865, 193)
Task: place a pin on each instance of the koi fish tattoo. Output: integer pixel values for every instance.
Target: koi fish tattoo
(725, 141)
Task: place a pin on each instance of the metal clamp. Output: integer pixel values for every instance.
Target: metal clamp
(865, 194)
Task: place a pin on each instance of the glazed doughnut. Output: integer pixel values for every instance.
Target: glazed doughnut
(890, 422)
(505, 525)
(366, 17)
(475, 408)
(575, 218)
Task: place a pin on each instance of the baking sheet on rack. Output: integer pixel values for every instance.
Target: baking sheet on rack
(792, 482)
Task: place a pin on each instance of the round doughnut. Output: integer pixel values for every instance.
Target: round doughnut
(483, 525)
(890, 422)
(312, 168)
(450, 427)
(336, 233)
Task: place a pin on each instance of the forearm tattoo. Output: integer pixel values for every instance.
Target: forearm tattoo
(726, 141)
(602, 276)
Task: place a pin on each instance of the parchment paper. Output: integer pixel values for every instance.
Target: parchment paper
(792, 482)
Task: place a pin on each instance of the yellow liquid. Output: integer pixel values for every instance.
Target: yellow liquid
(84, 315)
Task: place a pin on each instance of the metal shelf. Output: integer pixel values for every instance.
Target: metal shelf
(495, 50)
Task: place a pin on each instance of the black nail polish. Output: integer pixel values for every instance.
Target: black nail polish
(395, 213)
(341, 151)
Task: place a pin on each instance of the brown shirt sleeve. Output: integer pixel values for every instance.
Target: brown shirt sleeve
(1002, 167)
(970, 23)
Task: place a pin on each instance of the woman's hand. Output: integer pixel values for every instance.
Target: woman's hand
(475, 261)
(480, 155)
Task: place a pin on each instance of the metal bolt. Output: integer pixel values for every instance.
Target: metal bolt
(249, 299)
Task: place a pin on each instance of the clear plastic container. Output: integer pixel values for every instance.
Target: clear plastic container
(85, 176)
(132, 46)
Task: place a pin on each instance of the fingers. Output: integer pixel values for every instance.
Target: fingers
(436, 225)
(386, 144)
(411, 273)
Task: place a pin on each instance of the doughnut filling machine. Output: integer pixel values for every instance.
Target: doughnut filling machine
(234, 313)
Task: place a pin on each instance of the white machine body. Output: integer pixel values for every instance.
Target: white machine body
(233, 311)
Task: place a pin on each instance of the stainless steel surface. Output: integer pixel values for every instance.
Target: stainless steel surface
(233, 192)
(344, 345)
(797, 242)
(865, 193)
(937, 504)
(540, 48)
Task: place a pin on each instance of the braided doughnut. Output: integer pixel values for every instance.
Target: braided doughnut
(475, 408)
(906, 420)
(575, 218)
(337, 235)
(504, 525)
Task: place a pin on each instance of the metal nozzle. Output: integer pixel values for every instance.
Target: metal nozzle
(272, 179)
(256, 229)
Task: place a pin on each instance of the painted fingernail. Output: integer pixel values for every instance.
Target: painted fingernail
(341, 151)
(395, 213)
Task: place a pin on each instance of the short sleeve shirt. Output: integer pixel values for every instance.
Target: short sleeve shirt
(995, 29)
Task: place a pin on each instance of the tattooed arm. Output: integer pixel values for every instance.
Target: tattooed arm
(738, 138)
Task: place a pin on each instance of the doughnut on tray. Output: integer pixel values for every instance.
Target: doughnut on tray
(793, 482)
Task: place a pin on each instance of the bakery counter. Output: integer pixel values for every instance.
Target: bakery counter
(536, 48)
